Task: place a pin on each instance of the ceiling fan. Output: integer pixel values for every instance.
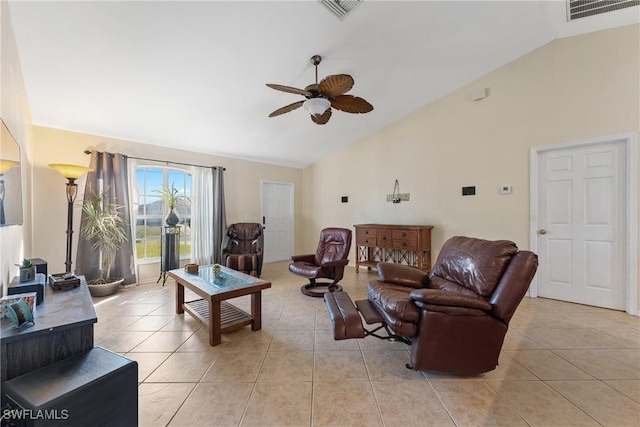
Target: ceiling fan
(330, 92)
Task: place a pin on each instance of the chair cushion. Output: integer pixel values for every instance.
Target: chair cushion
(393, 300)
(452, 311)
(334, 245)
(475, 264)
(402, 275)
(438, 282)
(452, 299)
(244, 238)
(246, 263)
(305, 269)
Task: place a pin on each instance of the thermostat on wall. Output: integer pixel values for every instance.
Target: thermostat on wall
(505, 189)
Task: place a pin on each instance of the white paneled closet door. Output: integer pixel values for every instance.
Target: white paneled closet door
(581, 220)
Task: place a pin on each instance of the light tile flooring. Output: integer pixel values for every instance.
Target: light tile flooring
(562, 365)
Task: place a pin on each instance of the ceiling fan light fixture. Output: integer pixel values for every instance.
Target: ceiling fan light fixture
(316, 106)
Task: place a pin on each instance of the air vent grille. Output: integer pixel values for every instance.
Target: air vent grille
(582, 8)
(340, 8)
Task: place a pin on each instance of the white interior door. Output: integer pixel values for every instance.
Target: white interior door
(277, 218)
(582, 227)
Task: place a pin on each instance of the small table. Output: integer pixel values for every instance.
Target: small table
(212, 310)
(169, 250)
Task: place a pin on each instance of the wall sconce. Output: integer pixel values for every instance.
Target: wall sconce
(71, 172)
(395, 197)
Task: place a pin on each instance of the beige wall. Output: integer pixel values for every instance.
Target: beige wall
(242, 186)
(15, 240)
(572, 89)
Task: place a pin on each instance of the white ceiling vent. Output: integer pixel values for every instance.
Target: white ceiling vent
(340, 8)
(581, 8)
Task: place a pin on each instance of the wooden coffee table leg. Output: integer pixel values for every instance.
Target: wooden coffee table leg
(179, 298)
(256, 311)
(215, 314)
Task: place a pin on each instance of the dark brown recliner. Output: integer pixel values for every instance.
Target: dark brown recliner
(242, 248)
(329, 261)
(457, 317)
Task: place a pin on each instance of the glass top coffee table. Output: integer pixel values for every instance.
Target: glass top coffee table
(212, 309)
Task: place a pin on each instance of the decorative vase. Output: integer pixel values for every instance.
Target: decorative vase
(27, 274)
(216, 270)
(172, 219)
(105, 289)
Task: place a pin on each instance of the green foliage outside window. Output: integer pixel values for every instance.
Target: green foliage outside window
(155, 183)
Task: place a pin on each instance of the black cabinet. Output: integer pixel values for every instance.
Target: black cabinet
(169, 251)
(94, 388)
(63, 328)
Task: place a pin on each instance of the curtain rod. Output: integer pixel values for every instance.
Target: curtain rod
(164, 161)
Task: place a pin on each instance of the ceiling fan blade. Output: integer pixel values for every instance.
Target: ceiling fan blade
(322, 119)
(351, 104)
(335, 85)
(287, 108)
(289, 89)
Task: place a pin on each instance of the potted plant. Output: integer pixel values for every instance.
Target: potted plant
(105, 228)
(217, 269)
(27, 271)
(171, 199)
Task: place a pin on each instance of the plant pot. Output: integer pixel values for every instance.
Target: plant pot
(27, 274)
(217, 269)
(105, 289)
(172, 219)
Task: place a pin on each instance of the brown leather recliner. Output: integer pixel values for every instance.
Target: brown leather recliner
(242, 248)
(329, 261)
(455, 318)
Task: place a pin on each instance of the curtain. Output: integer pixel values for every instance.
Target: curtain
(202, 215)
(219, 213)
(108, 174)
(134, 203)
(208, 215)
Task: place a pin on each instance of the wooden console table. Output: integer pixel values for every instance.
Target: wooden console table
(400, 244)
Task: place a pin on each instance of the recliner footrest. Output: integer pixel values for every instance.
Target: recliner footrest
(345, 318)
(368, 311)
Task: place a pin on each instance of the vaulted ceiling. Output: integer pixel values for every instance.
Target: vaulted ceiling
(192, 74)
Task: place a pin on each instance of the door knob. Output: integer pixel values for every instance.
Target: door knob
(542, 231)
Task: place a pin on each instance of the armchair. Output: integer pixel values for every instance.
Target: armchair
(329, 261)
(242, 248)
(456, 318)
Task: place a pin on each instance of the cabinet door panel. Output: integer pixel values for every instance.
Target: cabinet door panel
(405, 234)
(384, 238)
(366, 241)
(405, 244)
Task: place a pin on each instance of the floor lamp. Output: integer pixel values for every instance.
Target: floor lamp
(71, 172)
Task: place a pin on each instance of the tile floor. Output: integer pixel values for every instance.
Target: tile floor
(562, 364)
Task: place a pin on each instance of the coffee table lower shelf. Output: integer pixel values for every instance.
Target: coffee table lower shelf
(231, 317)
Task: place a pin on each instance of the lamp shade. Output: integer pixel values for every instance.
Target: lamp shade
(316, 106)
(70, 171)
(5, 165)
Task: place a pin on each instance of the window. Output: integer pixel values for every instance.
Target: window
(151, 210)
